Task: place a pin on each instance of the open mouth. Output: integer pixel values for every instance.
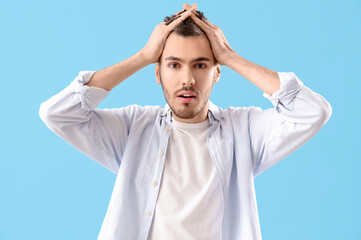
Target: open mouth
(187, 96)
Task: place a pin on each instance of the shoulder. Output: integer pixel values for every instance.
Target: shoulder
(135, 111)
(132, 112)
(143, 109)
(236, 112)
(138, 110)
(242, 110)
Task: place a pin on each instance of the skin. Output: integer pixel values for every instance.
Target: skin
(185, 74)
(188, 75)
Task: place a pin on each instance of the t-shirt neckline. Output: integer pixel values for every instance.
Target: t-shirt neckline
(176, 123)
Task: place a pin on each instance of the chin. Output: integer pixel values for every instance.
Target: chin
(187, 110)
(184, 113)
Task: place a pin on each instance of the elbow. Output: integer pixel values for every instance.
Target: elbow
(327, 112)
(46, 115)
(324, 113)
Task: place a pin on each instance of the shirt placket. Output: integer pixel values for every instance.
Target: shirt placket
(166, 130)
(215, 156)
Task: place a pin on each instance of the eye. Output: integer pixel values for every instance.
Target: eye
(173, 65)
(200, 65)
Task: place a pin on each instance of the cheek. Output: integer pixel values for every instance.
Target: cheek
(169, 84)
(205, 78)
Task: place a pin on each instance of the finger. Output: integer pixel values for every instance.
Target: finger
(174, 16)
(192, 8)
(224, 38)
(204, 20)
(180, 12)
(185, 6)
(178, 20)
(210, 24)
(200, 23)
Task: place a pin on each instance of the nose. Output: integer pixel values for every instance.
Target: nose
(188, 78)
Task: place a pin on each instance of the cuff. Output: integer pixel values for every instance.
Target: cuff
(290, 86)
(89, 97)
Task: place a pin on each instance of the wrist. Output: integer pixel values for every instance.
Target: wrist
(145, 57)
(232, 58)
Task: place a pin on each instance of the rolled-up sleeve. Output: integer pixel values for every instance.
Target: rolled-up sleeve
(73, 116)
(298, 114)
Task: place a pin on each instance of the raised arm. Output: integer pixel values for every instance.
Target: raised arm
(102, 134)
(266, 79)
(298, 113)
(111, 76)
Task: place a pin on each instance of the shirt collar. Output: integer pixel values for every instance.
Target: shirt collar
(214, 112)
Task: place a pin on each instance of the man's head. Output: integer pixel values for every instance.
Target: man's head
(187, 70)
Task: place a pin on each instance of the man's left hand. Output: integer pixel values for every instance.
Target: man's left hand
(220, 47)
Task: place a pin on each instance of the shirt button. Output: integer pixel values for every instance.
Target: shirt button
(148, 213)
(160, 154)
(155, 184)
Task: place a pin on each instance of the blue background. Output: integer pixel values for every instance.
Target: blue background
(49, 190)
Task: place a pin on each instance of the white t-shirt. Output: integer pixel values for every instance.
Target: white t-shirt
(190, 198)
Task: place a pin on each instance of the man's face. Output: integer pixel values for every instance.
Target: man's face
(187, 75)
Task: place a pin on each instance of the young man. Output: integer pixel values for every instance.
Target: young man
(186, 170)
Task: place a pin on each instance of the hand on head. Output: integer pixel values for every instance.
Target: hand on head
(154, 47)
(221, 49)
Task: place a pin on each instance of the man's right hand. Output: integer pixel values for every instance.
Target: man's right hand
(110, 77)
(155, 45)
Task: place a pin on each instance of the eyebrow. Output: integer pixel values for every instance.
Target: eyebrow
(182, 61)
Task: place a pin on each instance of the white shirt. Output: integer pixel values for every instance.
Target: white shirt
(189, 204)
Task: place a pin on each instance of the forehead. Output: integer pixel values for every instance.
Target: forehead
(187, 48)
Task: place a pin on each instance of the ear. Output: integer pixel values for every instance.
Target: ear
(157, 73)
(217, 73)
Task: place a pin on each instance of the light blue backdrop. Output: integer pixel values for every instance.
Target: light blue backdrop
(49, 190)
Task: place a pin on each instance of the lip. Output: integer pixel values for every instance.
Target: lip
(187, 93)
(187, 100)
